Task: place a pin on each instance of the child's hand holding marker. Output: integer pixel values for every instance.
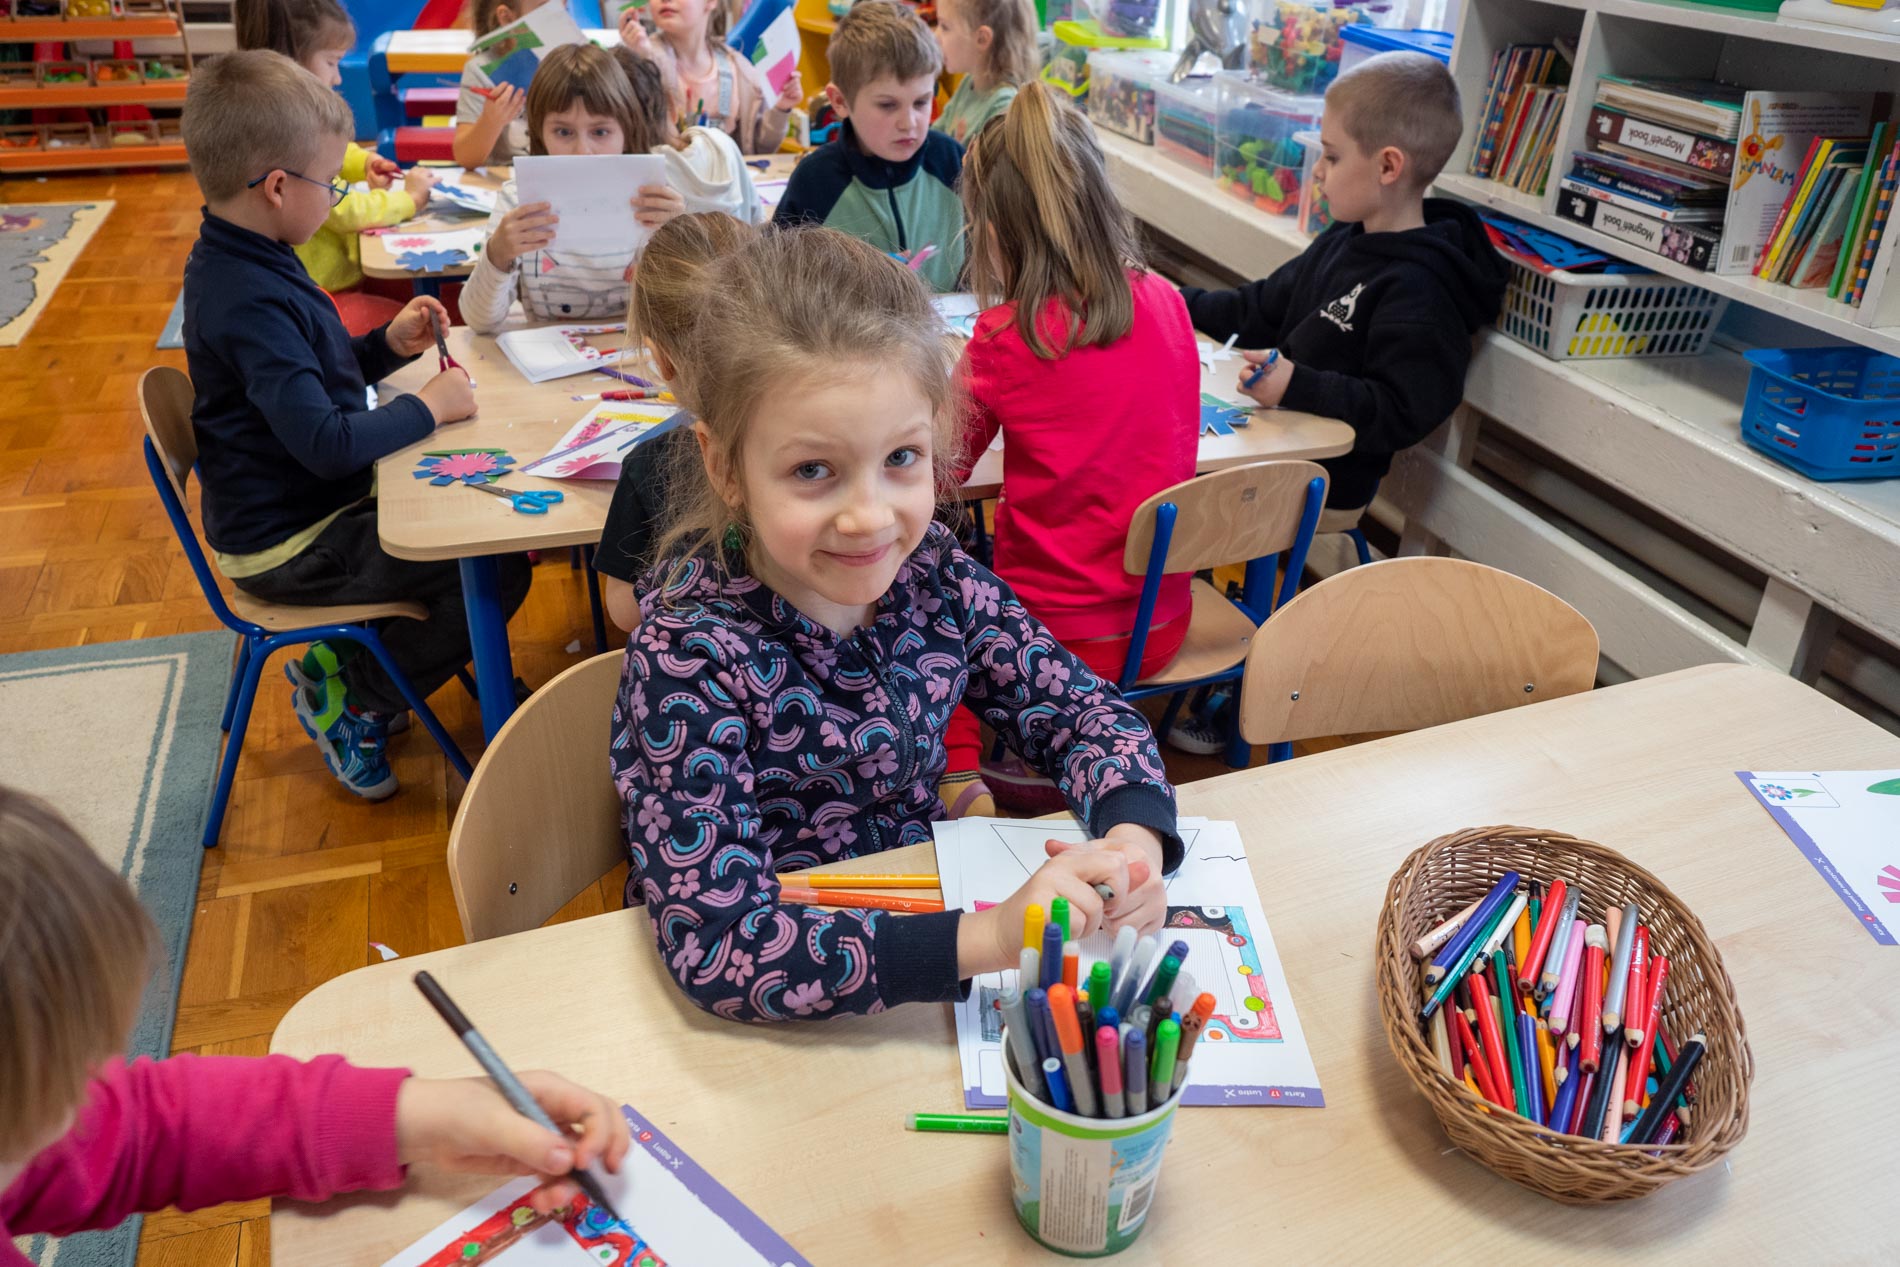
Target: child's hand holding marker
(505, 103)
(1266, 377)
(1143, 906)
(381, 172)
(417, 182)
(991, 940)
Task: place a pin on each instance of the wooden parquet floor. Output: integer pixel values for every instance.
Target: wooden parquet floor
(306, 876)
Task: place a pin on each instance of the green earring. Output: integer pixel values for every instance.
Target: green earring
(733, 541)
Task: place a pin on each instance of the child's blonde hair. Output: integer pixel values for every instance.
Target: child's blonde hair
(878, 38)
(75, 948)
(1406, 100)
(785, 309)
(1012, 54)
(1044, 225)
(596, 78)
(298, 29)
(669, 286)
(252, 111)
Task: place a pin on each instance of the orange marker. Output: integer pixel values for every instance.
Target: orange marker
(1521, 935)
(1529, 966)
(864, 901)
(866, 880)
(1071, 965)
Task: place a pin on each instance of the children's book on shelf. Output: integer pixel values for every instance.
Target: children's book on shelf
(1614, 132)
(1636, 178)
(1857, 216)
(1818, 260)
(1879, 218)
(1814, 185)
(1697, 105)
(1511, 100)
(678, 1215)
(510, 54)
(1633, 202)
(1778, 128)
(1691, 244)
(1254, 1050)
(548, 352)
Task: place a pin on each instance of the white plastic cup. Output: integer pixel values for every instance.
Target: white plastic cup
(1082, 1185)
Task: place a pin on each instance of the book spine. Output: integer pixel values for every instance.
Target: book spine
(1882, 212)
(1703, 153)
(1655, 194)
(1685, 244)
(1616, 198)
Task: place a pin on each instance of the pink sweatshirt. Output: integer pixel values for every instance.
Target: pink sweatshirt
(1087, 437)
(194, 1131)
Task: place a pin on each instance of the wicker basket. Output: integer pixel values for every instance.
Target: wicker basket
(1446, 875)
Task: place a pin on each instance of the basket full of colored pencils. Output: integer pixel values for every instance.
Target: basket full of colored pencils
(1568, 1019)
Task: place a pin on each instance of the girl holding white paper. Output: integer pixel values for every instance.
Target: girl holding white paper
(587, 101)
(709, 83)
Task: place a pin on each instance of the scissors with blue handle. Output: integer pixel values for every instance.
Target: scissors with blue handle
(534, 501)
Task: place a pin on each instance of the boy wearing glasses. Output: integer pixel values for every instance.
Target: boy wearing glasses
(287, 442)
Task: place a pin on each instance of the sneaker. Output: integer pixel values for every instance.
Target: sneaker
(294, 670)
(1017, 787)
(1204, 735)
(352, 741)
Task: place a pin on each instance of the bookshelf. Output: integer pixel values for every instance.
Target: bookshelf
(1674, 38)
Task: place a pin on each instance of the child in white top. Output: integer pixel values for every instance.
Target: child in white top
(489, 127)
(586, 100)
(710, 83)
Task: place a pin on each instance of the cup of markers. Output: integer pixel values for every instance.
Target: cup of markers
(1095, 1068)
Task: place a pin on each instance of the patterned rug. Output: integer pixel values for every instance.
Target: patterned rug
(38, 243)
(123, 739)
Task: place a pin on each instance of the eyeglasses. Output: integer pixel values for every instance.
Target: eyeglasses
(339, 190)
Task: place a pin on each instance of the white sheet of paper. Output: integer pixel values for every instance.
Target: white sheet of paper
(777, 53)
(959, 311)
(1220, 371)
(1846, 823)
(1253, 1052)
(449, 195)
(593, 195)
(771, 192)
(593, 448)
(548, 352)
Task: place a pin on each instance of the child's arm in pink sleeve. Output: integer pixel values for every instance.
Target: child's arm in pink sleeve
(195, 1131)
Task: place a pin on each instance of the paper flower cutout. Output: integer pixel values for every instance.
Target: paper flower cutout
(1220, 420)
(575, 465)
(468, 467)
(412, 243)
(430, 261)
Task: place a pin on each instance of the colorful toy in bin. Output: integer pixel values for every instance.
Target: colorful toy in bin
(157, 68)
(1315, 216)
(1184, 122)
(1258, 157)
(64, 73)
(1297, 46)
(1068, 64)
(1122, 93)
(1127, 19)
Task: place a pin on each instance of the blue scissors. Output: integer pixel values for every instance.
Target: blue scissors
(533, 502)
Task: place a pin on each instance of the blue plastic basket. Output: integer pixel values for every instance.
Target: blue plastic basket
(1830, 413)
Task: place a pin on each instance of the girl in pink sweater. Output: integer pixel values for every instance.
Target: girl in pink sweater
(86, 1140)
(1085, 361)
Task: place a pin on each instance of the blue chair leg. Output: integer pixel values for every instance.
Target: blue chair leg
(468, 684)
(1239, 752)
(1168, 717)
(238, 662)
(593, 600)
(245, 694)
(416, 703)
(1278, 752)
(1359, 544)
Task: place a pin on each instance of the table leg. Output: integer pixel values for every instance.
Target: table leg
(430, 286)
(488, 639)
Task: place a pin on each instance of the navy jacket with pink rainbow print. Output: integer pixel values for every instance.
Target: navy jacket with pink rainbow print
(749, 740)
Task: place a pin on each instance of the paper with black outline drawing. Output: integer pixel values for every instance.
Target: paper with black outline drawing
(1253, 1054)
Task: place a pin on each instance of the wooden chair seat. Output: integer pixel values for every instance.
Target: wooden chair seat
(278, 616)
(1218, 636)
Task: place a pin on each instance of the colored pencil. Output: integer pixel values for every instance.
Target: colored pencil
(861, 901)
(1559, 945)
(1528, 967)
(1642, 1053)
(1565, 993)
(1446, 960)
(866, 880)
(1636, 994)
(1590, 1029)
(1618, 987)
(1431, 941)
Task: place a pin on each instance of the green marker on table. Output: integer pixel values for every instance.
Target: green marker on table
(958, 1123)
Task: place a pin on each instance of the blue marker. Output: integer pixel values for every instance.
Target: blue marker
(1052, 937)
(1041, 1025)
(1059, 1097)
(1273, 358)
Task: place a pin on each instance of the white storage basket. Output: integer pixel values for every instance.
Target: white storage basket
(1586, 316)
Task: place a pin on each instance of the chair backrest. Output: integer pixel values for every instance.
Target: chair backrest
(541, 819)
(1227, 516)
(165, 403)
(1407, 643)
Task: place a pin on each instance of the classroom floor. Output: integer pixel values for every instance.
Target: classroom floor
(308, 876)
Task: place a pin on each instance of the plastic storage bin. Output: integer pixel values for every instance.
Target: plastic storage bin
(1587, 316)
(1315, 217)
(1068, 66)
(1257, 158)
(1363, 41)
(1184, 122)
(1296, 46)
(1132, 19)
(1830, 413)
(1122, 90)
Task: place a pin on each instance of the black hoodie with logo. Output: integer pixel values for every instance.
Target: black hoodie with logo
(1378, 327)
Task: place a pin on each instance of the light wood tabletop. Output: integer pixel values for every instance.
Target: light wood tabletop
(804, 1122)
(378, 260)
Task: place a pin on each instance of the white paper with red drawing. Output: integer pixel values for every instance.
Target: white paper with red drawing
(594, 447)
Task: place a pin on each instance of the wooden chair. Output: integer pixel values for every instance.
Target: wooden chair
(1247, 514)
(541, 819)
(171, 450)
(1402, 644)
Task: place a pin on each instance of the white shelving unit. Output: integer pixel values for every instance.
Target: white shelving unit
(1676, 38)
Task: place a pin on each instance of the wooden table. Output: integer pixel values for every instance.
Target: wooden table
(416, 520)
(377, 260)
(805, 1122)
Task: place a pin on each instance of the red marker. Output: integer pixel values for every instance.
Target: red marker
(1596, 943)
(1488, 1031)
(1645, 1053)
(631, 393)
(1480, 1065)
(1540, 940)
(1636, 998)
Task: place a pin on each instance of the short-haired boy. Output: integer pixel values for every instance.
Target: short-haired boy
(886, 177)
(1373, 322)
(287, 442)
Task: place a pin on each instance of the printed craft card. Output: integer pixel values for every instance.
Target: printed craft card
(511, 54)
(593, 448)
(680, 1217)
(549, 352)
(1846, 823)
(593, 195)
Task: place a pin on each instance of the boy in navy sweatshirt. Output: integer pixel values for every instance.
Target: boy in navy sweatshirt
(1373, 322)
(287, 442)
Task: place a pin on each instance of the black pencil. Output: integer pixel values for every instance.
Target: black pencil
(1668, 1090)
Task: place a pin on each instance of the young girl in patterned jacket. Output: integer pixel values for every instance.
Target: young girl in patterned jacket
(807, 631)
